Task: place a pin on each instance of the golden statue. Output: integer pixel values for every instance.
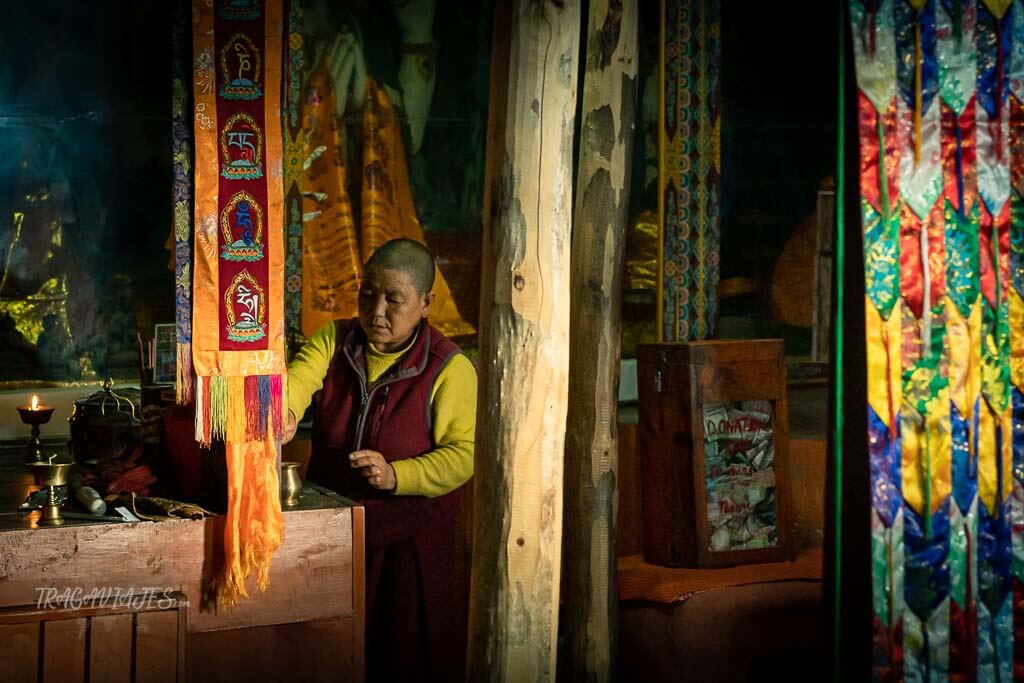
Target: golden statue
(33, 275)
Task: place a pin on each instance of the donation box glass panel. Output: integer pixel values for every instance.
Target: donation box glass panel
(739, 475)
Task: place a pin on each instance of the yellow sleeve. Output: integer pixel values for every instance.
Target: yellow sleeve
(450, 464)
(307, 370)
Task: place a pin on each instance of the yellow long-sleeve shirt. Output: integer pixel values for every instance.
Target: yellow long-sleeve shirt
(452, 405)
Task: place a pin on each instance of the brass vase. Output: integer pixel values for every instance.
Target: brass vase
(291, 484)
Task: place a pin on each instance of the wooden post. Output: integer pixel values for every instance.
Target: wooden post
(524, 327)
(598, 244)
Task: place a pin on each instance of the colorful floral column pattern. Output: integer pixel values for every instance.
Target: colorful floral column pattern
(940, 92)
(181, 154)
(688, 177)
(294, 144)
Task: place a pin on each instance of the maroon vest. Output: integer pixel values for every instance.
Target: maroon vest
(392, 417)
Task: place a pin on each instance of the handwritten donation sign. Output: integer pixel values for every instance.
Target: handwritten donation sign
(739, 471)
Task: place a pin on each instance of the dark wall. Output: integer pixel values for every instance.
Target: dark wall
(778, 124)
(85, 135)
(85, 154)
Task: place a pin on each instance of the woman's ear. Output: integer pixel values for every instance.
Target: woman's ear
(428, 299)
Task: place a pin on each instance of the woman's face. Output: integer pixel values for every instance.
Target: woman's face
(390, 308)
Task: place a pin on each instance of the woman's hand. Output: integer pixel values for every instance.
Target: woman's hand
(375, 469)
(290, 425)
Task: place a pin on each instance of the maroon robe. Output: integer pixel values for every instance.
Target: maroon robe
(415, 630)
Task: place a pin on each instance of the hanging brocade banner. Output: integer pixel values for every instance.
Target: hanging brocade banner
(940, 92)
(181, 154)
(238, 313)
(688, 174)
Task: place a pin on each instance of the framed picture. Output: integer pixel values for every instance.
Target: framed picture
(714, 446)
(165, 354)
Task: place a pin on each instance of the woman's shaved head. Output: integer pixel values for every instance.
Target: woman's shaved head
(408, 256)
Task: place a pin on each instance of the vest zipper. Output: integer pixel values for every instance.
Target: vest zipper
(380, 414)
(367, 396)
(364, 401)
(364, 406)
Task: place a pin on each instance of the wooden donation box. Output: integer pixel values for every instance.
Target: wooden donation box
(714, 453)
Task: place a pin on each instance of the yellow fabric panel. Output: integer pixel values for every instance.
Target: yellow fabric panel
(387, 210)
(884, 339)
(1016, 339)
(988, 475)
(641, 269)
(994, 381)
(330, 247)
(927, 449)
(335, 245)
(963, 346)
(996, 7)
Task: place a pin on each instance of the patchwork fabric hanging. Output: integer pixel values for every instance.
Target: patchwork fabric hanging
(238, 347)
(940, 93)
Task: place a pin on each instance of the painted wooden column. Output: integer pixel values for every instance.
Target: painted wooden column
(689, 141)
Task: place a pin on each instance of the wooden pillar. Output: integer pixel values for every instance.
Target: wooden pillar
(598, 244)
(524, 360)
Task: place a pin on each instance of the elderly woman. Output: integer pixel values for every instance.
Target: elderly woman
(393, 430)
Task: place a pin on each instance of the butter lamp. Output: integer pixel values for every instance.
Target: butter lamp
(35, 414)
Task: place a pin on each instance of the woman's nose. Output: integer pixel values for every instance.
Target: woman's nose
(380, 306)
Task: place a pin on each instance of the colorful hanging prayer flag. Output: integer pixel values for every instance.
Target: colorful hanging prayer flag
(941, 86)
(238, 346)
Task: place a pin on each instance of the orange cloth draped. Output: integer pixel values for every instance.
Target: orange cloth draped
(255, 527)
(330, 251)
(639, 580)
(334, 248)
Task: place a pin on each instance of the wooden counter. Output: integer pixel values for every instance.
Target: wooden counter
(307, 626)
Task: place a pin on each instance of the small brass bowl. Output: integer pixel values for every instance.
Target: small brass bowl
(50, 473)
